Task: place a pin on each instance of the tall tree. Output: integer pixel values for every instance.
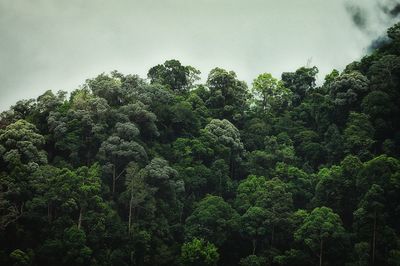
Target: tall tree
(369, 213)
(174, 75)
(300, 82)
(20, 157)
(213, 219)
(228, 96)
(199, 252)
(87, 189)
(318, 229)
(254, 225)
(226, 137)
(139, 194)
(120, 149)
(271, 93)
(359, 135)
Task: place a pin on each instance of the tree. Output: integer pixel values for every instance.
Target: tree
(347, 91)
(109, 87)
(333, 143)
(280, 148)
(369, 213)
(20, 157)
(271, 92)
(174, 75)
(117, 152)
(361, 256)
(336, 188)
(45, 104)
(164, 213)
(139, 192)
(74, 246)
(184, 121)
(165, 182)
(62, 193)
(224, 133)
(315, 111)
(380, 108)
(228, 96)
(384, 74)
(226, 137)
(22, 110)
(20, 258)
(298, 183)
(359, 134)
(54, 191)
(144, 119)
(254, 225)
(199, 252)
(20, 144)
(212, 219)
(266, 207)
(331, 77)
(278, 203)
(300, 82)
(382, 171)
(394, 31)
(318, 229)
(253, 260)
(77, 128)
(249, 192)
(88, 187)
(310, 148)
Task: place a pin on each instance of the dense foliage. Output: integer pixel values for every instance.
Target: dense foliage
(166, 171)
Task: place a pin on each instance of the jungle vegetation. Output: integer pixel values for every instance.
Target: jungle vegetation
(169, 171)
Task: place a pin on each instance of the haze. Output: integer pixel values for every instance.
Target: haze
(56, 45)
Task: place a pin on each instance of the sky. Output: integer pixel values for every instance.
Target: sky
(47, 44)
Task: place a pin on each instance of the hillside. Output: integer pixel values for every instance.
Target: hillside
(167, 171)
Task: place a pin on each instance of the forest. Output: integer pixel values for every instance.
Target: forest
(165, 170)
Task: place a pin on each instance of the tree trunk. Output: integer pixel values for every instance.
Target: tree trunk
(130, 216)
(320, 252)
(272, 235)
(114, 180)
(132, 258)
(231, 166)
(181, 212)
(254, 246)
(374, 240)
(80, 218)
(49, 212)
(219, 185)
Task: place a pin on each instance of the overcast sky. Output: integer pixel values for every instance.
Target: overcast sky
(50, 44)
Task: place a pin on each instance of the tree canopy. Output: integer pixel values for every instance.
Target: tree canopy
(170, 170)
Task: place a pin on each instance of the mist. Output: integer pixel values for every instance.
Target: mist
(58, 44)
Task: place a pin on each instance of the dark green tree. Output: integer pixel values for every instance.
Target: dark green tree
(318, 229)
(199, 252)
(174, 75)
(213, 219)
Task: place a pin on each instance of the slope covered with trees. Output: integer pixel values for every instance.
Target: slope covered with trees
(165, 171)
